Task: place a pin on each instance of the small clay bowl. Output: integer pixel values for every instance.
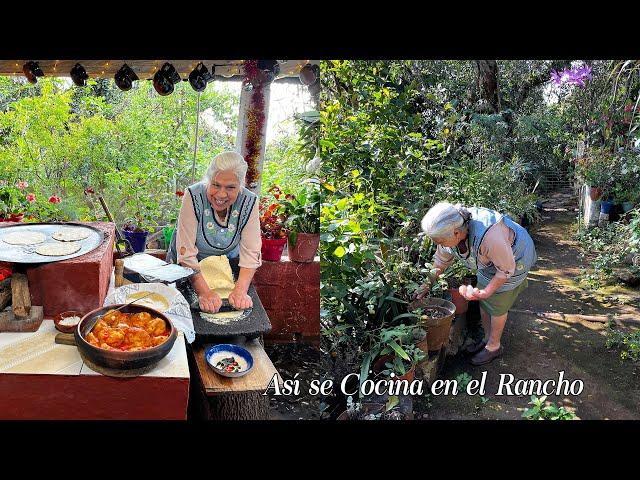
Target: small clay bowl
(67, 328)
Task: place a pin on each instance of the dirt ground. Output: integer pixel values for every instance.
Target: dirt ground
(538, 348)
(289, 359)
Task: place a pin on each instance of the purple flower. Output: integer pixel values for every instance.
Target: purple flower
(575, 76)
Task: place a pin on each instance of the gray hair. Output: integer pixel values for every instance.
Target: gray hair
(227, 161)
(443, 218)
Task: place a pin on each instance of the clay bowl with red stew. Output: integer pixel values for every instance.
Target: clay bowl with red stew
(119, 359)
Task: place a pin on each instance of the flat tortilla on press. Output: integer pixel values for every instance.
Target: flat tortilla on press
(26, 237)
(71, 234)
(218, 275)
(221, 318)
(58, 249)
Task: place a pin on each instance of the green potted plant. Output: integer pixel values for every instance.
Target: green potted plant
(627, 177)
(303, 221)
(144, 222)
(594, 170)
(393, 350)
(137, 197)
(272, 225)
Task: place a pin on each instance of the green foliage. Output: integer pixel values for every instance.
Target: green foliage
(13, 200)
(303, 209)
(287, 156)
(550, 411)
(397, 137)
(543, 144)
(616, 173)
(463, 380)
(593, 169)
(633, 229)
(134, 148)
(284, 164)
(396, 342)
(604, 248)
(627, 343)
(454, 275)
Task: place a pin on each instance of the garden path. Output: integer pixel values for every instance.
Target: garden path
(539, 348)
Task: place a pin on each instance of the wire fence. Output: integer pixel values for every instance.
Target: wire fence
(551, 181)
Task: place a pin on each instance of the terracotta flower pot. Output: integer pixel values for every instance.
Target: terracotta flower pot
(461, 303)
(305, 247)
(272, 248)
(595, 193)
(423, 345)
(437, 328)
(13, 217)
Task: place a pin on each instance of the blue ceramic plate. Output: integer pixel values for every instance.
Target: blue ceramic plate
(221, 353)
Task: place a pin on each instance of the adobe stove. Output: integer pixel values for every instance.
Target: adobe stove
(42, 284)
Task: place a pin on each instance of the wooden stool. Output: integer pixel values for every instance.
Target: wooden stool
(222, 398)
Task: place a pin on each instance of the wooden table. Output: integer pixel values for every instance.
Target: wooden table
(222, 398)
(40, 380)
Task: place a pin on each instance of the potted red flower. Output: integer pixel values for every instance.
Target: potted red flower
(272, 225)
(14, 201)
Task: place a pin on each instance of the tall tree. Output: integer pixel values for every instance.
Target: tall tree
(488, 86)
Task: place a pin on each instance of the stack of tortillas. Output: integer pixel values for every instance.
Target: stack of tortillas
(218, 275)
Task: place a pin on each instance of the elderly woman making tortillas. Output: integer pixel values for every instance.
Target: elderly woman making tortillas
(502, 252)
(219, 218)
